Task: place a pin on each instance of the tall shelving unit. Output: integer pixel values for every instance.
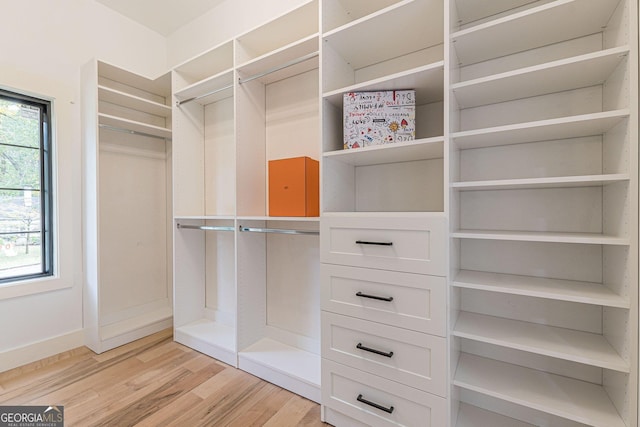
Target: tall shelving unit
(383, 225)
(247, 289)
(126, 127)
(544, 216)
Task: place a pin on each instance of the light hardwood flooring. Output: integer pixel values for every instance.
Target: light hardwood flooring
(153, 382)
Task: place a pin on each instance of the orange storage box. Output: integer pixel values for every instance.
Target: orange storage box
(294, 188)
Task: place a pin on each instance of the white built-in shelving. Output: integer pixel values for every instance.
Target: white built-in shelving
(543, 196)
(126, 205)
(237, 276)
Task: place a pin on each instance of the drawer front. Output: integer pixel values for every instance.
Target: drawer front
(415, 244)
(377, 401)
(408, 357)
(406, 300)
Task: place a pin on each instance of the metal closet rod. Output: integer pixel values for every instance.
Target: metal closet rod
(278, 231)
(132, 132)
(279, 67)
(253, 77)
(184, 101)
(207, 227)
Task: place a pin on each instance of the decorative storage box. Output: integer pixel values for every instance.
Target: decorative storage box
(294, 187)
(383, 117)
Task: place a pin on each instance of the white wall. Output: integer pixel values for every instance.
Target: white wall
(225, 21)
(43, 44)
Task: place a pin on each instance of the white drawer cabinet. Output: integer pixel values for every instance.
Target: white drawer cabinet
(412, 243)
(406, 300)
(376, 401)
(408, 357)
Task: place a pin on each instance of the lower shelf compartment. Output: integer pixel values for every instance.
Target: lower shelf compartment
(472, 416)
(211, 338)
(564, 397)
(286, 366)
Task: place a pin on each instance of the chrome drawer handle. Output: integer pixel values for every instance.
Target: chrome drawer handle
(365, 242)
(360, 294)
(375, 405)
(372, 350)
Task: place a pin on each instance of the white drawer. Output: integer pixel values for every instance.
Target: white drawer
(408, 357)
(411, 301)
(377, 401)
(412, 243)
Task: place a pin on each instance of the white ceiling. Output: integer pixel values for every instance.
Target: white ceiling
(162, 16)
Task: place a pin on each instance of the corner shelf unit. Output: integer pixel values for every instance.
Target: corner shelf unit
(246, 282)
(126, 126)
(544, 221)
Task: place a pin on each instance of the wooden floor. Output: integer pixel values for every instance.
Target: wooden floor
(153, 382)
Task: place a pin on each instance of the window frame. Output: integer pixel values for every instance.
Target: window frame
(45, 150)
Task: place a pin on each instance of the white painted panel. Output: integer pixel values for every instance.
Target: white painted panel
(219, 158)
(571, 157)
(561, 104)
(554, 260)
(293, 282)
(557, 209)
(408, 186)
(292, 117)
(133, 247)
(220, 275)
(582, 317)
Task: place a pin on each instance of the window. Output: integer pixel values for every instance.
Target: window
(26, 249)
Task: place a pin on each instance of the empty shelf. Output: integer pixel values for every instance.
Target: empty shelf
(536, 236)
(134, 102)
(220, 84)
(551, 182)
(472, 416)
(576, 346)
(420, 149)
(562, 290)
(561, 396)
(130, 125)
(543, 130)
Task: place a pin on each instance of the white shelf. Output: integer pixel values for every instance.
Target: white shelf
(472, 416)
(213, 333)
(555, 289)
(473, 10)
(421, 149)
(576, 346)
(280, 218)
(539, 26)
(130, 325)
(543, 130)
(288, 367)
(131, 125)
(565, 74)
(283, 55)
(134, 102)
(205, 217)
(428, 81)
(352, 10)
(384, 41)
(551, 182)
(535, 236)
(222, 81)
(214, 61)
(561, 396)
(159, 86)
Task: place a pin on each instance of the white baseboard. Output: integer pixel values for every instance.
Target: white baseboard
(40, 350)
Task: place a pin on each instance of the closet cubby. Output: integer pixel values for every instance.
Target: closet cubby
(543, 191)
(246, 283)
(126, 127)
(395, 177)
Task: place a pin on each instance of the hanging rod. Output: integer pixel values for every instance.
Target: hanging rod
(278, 230)
(279, 67)
(132, 132)
(207, 227)
(184, 101)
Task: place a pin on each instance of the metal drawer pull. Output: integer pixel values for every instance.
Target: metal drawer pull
(375, 405)
(371, 350)
(364, 242)
(360, 294)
